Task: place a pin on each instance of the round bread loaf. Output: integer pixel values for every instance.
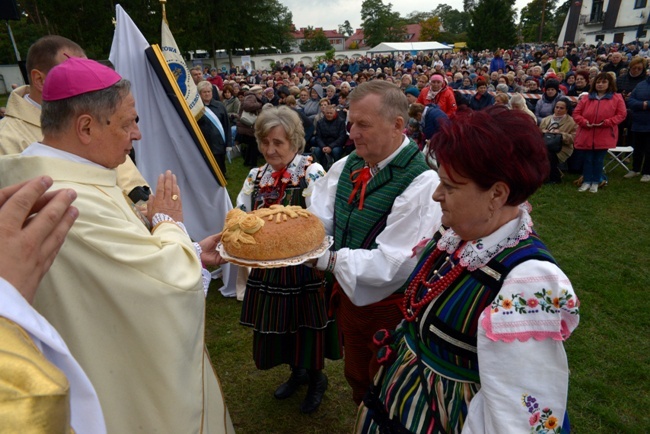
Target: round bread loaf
(273, 233)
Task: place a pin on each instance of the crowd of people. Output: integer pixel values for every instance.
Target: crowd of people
(437, 292)
(448, 82)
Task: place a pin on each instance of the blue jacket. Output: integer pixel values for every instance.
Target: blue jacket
(432, 120)
(497, 63)
(479, 104)
(640, 117)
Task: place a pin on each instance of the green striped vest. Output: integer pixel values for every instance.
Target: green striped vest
(358, 229)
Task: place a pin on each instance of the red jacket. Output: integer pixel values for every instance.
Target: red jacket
(610, 110)
(445, 100)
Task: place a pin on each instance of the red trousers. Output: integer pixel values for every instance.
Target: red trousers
(358, 325)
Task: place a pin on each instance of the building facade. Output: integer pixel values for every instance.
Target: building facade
(591, 21)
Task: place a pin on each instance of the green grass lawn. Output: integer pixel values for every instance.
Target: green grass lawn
(602, 242)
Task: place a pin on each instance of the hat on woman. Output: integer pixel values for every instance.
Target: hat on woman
(412, 90)
(552, 84)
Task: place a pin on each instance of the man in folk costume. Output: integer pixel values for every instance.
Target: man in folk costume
(377, 204)
(22, 125)
(126, 291)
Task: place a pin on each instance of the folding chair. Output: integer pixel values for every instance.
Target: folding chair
(619, 156)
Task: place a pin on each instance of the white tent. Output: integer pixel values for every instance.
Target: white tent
(389, 47)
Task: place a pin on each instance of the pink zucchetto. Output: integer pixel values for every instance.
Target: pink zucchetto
(77, 76)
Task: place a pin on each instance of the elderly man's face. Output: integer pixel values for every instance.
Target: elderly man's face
(196, 76)
(330, 112)
(206, 95)
(375, 136)
(616, 58)
(111, 140)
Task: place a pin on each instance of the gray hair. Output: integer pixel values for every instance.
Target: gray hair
(284, 117)
(518, 101)
(100, 104)
(393, 101)
(203, 85)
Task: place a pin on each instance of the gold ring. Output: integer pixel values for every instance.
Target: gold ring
(175, 197)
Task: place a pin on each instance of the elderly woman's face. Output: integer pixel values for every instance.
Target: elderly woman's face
(276, 148)
(436, 85)
(636, 70)
(580, 81)
(465, 206)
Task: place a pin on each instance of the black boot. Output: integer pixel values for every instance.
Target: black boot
(299, 376)
(315, 392)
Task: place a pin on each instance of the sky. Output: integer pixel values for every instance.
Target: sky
(329, 14)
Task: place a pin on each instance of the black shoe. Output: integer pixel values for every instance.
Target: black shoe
(299, 376)
(315, 392)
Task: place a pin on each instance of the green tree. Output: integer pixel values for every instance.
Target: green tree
(430, 29)
(560, 15)
(493, 25)
(453, 21)
(417, 17)
(469, 5)
(218, 24)
(346, 29)
(380, 23)
(315, 40)
(531, 21)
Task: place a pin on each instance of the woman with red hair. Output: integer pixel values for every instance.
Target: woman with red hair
(486, 310)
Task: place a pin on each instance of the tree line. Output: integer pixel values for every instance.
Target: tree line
(230, 25)
(481, 23)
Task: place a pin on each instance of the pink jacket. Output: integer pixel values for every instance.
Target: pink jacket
(610, 110)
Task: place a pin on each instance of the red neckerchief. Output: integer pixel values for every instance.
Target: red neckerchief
(360, 179)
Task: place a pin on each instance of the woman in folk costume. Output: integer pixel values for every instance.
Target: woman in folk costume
(486, 310)
(287, 307)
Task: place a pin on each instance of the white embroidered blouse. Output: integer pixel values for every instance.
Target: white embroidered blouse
(522, 363)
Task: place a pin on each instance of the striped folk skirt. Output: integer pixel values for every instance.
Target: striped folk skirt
(288, 311)
(406, 402)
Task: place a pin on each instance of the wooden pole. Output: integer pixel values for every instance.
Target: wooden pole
(164, 12)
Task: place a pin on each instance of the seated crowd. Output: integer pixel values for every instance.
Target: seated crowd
(528, 78)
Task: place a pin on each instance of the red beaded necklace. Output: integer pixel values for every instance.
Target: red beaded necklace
(411, 307)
